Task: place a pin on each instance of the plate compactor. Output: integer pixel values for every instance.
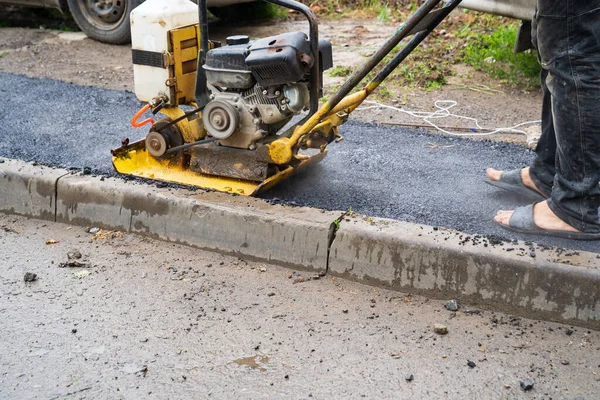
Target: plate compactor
(227, 111)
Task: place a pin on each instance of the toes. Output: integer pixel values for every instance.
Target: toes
(493, 174)
(503, 217)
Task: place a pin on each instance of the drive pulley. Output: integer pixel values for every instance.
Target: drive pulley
(162, 137)
(220, 119)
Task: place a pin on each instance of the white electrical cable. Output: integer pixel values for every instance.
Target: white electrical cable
(443, 111)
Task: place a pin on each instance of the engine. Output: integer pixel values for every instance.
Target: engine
(256, 87)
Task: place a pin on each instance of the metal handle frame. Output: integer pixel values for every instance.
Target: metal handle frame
(421, 24)
(201, 90)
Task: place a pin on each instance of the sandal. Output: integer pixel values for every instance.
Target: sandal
(512, 181)
(522, 222)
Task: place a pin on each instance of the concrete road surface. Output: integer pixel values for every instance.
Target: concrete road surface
(135, 318)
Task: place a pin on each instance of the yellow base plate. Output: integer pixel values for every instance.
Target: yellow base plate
(135, 160)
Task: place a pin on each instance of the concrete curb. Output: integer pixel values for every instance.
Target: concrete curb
(292, 237)
(518, 278)
(28, 189)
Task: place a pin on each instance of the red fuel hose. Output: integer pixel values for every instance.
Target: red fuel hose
(134, 120)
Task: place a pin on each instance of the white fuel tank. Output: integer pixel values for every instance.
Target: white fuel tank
(150, 25)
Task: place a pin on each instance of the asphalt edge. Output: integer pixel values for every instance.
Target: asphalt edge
(533, 281)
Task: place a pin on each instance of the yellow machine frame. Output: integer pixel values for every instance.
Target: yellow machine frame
(316, 132)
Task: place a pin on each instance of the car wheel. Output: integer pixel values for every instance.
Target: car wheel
(104, 20)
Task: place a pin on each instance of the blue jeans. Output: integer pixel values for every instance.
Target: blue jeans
(566, 34)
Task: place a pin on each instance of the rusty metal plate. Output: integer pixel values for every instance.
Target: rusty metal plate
(228, 162)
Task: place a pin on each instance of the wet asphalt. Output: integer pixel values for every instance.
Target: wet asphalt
(379, 171)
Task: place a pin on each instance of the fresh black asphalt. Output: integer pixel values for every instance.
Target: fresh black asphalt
(379, 171)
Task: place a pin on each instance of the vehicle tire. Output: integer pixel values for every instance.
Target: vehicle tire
(106, 22)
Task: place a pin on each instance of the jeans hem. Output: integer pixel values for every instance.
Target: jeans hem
(542, 186)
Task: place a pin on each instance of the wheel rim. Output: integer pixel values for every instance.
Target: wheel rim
(103, 14)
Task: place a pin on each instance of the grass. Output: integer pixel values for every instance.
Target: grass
(384, 14)
(341, 71)
(268, 10)
(482, 41)
(493, 53)
(423, 73)
(384, 10)
(434, 85)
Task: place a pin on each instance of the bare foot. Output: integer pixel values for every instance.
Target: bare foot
(494, 175)
(542, 216)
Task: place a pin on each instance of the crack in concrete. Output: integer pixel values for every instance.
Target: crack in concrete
(333, 228)
(56, 195)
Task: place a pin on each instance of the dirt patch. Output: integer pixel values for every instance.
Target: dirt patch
(67, 57)
(152, 318)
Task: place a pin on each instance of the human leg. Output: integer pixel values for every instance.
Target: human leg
(569, 45)
(568, 36)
